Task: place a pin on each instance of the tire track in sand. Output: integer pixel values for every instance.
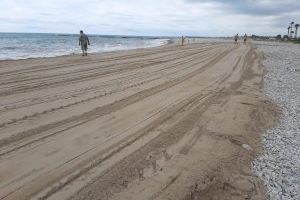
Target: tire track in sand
(83, 118)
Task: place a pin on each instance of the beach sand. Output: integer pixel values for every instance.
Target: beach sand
(169, 122)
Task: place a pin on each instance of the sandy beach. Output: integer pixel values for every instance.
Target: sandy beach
(168, 122)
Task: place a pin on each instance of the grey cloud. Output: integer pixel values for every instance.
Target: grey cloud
(185, 17)
(34, 21)
(256, 7)
(46, 14)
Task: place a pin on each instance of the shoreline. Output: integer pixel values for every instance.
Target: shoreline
(95, 48)
(91, 53)
(170, 41)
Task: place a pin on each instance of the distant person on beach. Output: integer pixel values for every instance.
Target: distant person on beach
(182, 41)
(84, 42)
(245, 38)
(236, 37)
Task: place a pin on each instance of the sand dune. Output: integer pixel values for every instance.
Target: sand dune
(159, 123)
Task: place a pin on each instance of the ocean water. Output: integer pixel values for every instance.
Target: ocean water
(33, 45)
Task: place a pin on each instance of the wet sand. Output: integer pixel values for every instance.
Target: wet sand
(161, 123)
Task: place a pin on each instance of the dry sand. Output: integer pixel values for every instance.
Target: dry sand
(160, 123)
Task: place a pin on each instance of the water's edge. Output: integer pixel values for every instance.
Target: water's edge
(20, 46)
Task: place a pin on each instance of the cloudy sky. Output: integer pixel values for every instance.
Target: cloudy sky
(150, 17)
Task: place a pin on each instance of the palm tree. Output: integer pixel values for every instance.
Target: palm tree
(291, 29)
(296, 31)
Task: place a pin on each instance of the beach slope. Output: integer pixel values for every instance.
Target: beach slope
(161, 123)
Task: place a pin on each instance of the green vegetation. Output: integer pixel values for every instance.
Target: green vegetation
(296, 41)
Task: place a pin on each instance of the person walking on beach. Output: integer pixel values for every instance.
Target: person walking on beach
(83, 42)
(236, 37)
(182, 41)
(245, 38)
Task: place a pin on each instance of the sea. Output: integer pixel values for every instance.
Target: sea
(14, 46)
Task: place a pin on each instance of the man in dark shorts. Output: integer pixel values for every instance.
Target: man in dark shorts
(83, 42)
(236, 37)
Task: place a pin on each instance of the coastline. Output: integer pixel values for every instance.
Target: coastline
(25, 46)
(169, 42)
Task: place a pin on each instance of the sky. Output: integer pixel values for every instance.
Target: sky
(150, 17)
